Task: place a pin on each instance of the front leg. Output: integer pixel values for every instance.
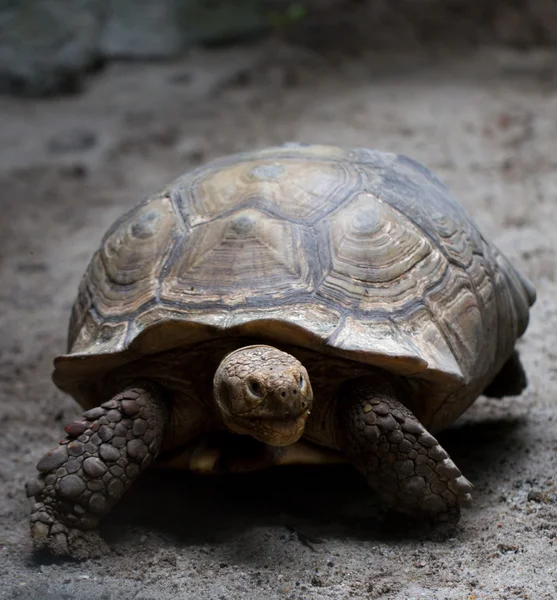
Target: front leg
(406, 466)
(82, 479)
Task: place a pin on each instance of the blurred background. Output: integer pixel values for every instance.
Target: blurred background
(102, 102)
(51, 46)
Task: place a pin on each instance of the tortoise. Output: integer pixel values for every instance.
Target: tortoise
(322, 301)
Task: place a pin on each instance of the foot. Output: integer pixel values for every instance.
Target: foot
(399, 458)
(59, 539)
(80, 481)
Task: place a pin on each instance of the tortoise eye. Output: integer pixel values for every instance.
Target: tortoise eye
(255, 388)
(302, 382)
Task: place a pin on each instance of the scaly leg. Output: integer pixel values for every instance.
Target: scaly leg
(80, 481)
(406, 466)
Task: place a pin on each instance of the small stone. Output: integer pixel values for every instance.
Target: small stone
(113, 416)
(34, 487)
(94, 413)
(53, 459)
(139, 427)
(76, 448)
(109, 453)
(137, 449)
(76, 428)
(71, 486)
(94, 467)
(97, 504)
(130, 407)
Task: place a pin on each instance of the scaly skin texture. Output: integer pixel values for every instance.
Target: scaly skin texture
(80, 481)
(406, 466)
(263, 392)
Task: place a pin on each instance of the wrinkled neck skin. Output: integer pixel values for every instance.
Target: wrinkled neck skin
(263, 392)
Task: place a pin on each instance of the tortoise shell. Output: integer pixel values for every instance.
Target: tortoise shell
(352, 253)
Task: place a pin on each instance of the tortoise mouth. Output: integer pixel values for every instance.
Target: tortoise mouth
(272, 429)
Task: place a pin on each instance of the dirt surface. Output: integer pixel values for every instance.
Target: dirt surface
(484, 121)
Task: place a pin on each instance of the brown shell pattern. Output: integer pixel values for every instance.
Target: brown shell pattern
(351, 252)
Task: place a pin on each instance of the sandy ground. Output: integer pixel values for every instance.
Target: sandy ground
(484, 121)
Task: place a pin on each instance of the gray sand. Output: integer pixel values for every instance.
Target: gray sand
(485, 122)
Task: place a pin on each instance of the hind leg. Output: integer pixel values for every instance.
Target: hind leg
(82, 479)
(510, 381)
(401, 461)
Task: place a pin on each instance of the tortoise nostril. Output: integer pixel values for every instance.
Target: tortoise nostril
(283, 394)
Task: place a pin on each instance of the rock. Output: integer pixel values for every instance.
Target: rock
(165, 28)
(46, 45)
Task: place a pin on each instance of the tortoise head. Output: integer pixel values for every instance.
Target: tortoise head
(263, 392)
